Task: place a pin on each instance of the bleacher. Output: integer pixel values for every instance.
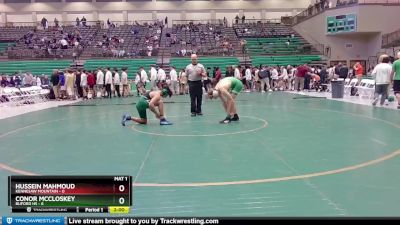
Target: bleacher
(198, 38)
(221, 62)
(43, 39)
(35, 67)
(4, 46)
(275, 46)
(132, 65)
(285, 60)
(134, 44)
(249, 30)
(13, 33)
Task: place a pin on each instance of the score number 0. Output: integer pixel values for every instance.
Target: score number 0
(121, 200)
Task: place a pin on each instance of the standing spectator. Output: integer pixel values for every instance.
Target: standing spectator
(70, 81)
(174, 81)
(143, 77)
(218, 76)
(55, 81)
(243, 18)
(264, 76)
(248, 76)
(124, 82)
(229, 72)
(195, 71)
(358, 71)
(138, 83)
(91, 81)
(83, 21)
(56, 22)
(78, 21)
(117, 82)
(166, 21)
(274, 77)
(84, 84)
(183, 82)
(161, 77)
(153, 78)
(284, 77)
(78, 83)
(28, 79)
(382, 74)
(237, 19)
(301, 73)
(206, 80)
(44, 23)
(99, 83)
(63, 86)
(395, 78)
(237, 73)
(343, 72)
(108, 82)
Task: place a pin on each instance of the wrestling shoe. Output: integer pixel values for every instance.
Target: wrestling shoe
(235, 117)
(165, 122)
(226, 120)
(125, 117)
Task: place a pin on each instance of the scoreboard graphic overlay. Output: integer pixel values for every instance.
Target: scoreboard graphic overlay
(75, 194)
(341, 23)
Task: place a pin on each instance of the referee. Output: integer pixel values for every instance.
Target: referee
(195, 72)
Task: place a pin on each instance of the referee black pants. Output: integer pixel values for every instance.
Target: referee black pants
(196, 96)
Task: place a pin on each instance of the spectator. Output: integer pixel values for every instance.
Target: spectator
(264, 75)
(174, 81)
(83, 21)
(395, 78)
(124, 82)
(183, 82)
(153, 78)
(302, 71)
(56, 23)
(38, 81)
(63, 87)
(143, 76)
(91, 82)
(55, 81)
(28, 80)
(382, 74)
(108, 82)
(99, 83)
(70, 81)
(64, 43)
(161, 77)
(343, 72)
(117, 82)
(84, 84)
(78, 83)
(359, 70)
(44, 23)
(78, 21)
(4, 83)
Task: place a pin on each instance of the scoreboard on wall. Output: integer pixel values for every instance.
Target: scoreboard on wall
(341, 23)
(75, 194)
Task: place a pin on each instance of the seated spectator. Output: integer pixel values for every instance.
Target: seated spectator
(64, 44)
(4, 83)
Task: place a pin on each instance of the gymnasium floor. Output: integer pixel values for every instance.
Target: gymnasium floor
(288, 156)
